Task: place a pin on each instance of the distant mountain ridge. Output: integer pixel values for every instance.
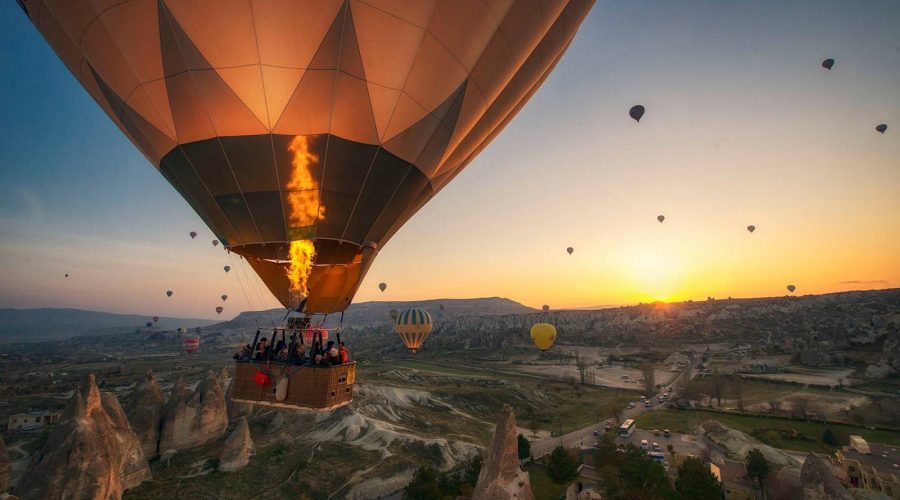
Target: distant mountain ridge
(375, 312)
(36, 325)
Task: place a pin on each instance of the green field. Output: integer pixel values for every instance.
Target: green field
(542, 486)
(768, 430)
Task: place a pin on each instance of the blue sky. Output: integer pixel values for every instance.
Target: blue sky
(743, 126)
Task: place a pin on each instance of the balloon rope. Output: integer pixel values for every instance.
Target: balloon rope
(240, 283)
(254, 279)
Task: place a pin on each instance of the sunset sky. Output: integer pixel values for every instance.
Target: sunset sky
(743, 126)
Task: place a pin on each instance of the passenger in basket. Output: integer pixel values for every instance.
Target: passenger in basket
(281, 353)
(263, 350)
(299, 358)
(243, 354)
(329, 358)
(343, 353)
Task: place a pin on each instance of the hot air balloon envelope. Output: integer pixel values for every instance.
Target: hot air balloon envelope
(224, 298)
(67, 276)
(155, 319)
(148, 324)
(215, 243)
(219, 310)
(382, 286)
(191, 345)
(570, 250)
(193, 234)
(545, 307)
(636, 112)
(286, 122)
(828, 63)
(751, 228)
(791, 288)
(543, 335)
(660, 218)
(227, 268)
(169, 293)
(393, 314)
(881, 128)
(413, 327)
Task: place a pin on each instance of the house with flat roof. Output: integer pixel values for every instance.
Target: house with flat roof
(874, 468)
(33, 419)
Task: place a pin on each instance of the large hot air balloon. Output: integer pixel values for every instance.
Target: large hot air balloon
(305, 134)
(881, 128)
(382, 286)
(570, 250)
(543, 335)
(191, 344)
(828, 64)
(219, 309)
(224, 297)
(193, 234)
(751, 228)
(169, 293)
(660, 218)
(413, 327)
(636, 112)
(791, 288)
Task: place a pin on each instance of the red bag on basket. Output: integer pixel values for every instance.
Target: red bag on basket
(261, 379)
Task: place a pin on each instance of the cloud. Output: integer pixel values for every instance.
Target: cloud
(863, 282)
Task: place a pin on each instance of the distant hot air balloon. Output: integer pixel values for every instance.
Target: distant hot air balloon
(224, 297)
(393, 314)
(198, 329)
(242, 134)
(828, 63)
(570, 250)
(791, 288)
(660, 218)
(382, 286)
(215, 243)
(227, 268)
(881, 128)
(219, 309)
(636, 112)
(67, 275)
(156, 319)
(193, 234)
(191, 345)
(545, 307)
(751, 228)
(543, 335)
(169, 293)
(413, 326)
(148, 324)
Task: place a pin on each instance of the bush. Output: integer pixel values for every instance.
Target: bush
(561, 468)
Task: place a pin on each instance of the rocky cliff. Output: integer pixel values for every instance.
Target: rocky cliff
(145, 412)
(5, 468)
(501, 478)
(236, 453)
(817, 481)
(194, 418)
(91, 454)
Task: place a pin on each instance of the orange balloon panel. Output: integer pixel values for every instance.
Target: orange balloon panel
(324, 120)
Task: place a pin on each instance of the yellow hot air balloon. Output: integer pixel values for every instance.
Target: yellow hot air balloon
(543, 335)
(305, 134)
(413, 327)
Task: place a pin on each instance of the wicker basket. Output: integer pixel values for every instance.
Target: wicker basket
(309, 387)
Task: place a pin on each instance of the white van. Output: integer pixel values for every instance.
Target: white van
(644, 445)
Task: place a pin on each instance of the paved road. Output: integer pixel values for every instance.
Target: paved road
(585, 435)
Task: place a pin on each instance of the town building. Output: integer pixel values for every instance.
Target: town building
(869, 466)
(733, 476)
(34, 418)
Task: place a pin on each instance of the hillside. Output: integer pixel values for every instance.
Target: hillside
(36, 325)
(376, 313)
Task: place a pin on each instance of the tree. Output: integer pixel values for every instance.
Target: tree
(828, 437)
(609, 482)
(696, 481)
(649, 374)
(524, 448)
(803, 405)
(757, 466)
(424, 486)
(642, 477)
(561, 468)
(737, 387)
(717, 385)
(472, 470)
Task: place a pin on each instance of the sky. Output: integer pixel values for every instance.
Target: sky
(743, 126)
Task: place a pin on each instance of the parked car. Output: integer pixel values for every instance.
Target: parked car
(655, 446)
(596, 433)
(656, 432)
(666, 433)
(644, 445)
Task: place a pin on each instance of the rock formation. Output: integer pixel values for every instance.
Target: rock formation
(145, 412)
(236, 453)
(92, 453)
(5, 468)
(224, 375)
(737, 444)
(501, 478)
(193, 418)
(817, 481)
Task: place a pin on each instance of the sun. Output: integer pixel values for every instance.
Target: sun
(654, 275)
